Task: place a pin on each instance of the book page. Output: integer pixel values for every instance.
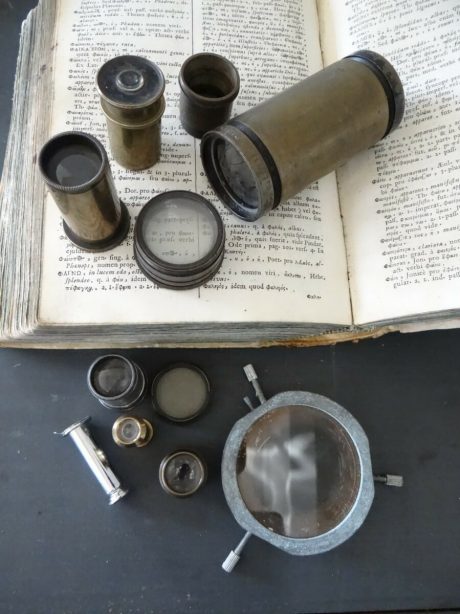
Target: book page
(289, 266)
(401, 200)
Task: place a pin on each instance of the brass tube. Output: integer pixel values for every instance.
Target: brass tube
(209, 84)
(76, 170)
(271, 152)
(131, 90)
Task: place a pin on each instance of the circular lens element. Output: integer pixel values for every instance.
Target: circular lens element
(116, 382)
(241, 170)
(298, 472)
(182, 473)
(179, 240)
(130, 81)
(238, 179)
(181, 392)
(112, 376)
(129, 431)
(71, 160)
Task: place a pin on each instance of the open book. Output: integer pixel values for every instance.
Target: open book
(374, 247)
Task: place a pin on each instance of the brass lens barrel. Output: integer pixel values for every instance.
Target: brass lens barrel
(76, 169)
(131, 90)
(271, 152)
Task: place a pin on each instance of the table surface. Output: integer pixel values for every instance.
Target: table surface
(63, 549)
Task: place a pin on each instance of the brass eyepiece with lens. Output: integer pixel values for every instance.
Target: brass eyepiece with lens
(271, 152)
(76, 170)
(131, 90)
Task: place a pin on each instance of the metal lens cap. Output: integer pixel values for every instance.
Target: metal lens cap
(130, 81)
(179, 240)
(181, 392)
(182, 473)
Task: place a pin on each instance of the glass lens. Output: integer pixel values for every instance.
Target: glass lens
(111, 377)
(73, 164)
(298, 471)
(129, 80)
(179, 230)
(129, 430)
(181, 393)
(238, 178)
(183, 474)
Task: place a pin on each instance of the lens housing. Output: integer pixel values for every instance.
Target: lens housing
(116, 382)
(76, 169)
(179, 240)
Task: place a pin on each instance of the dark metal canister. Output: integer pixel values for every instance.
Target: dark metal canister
(76, 169)
(209, 84)
(271, 152)
(131, 90)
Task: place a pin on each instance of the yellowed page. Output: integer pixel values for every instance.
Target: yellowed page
(401, 200)
(288, 267)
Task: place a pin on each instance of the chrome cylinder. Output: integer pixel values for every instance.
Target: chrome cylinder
(95, 459)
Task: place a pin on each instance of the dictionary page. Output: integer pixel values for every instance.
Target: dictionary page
(288, 267)
(401, 200)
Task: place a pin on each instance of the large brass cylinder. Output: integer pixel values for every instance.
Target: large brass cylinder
(76, 170)
(271, 152)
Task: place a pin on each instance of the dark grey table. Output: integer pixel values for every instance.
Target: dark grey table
(63, 549)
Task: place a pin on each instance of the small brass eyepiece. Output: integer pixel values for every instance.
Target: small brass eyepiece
(131, 431)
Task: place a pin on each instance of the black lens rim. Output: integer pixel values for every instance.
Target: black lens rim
(178, 276)
(63, 139)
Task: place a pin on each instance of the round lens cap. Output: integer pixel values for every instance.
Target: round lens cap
(181, 392)
(130, 81)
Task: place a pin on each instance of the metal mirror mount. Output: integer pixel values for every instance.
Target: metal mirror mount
(297, 473)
